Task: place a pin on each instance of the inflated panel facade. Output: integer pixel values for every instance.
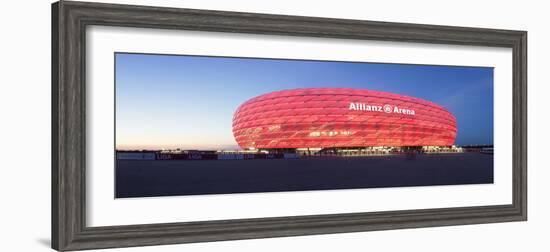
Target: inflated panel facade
(340, 117)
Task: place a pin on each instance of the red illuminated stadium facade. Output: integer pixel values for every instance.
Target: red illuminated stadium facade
(336, 118)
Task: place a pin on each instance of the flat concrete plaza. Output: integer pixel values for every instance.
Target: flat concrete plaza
(146, 178)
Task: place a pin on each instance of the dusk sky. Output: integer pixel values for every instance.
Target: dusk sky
(166, 101)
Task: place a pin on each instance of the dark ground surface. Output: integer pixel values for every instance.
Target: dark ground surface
(137, 178)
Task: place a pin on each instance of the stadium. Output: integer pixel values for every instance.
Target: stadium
(337, 120)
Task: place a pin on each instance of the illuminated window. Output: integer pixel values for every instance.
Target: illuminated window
(315, 134)
(274, 127)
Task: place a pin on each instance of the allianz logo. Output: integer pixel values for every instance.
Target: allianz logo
(376, 108)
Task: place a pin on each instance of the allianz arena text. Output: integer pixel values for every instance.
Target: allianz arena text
(341, 118)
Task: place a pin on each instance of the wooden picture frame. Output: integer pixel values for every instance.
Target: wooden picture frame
(69, 20)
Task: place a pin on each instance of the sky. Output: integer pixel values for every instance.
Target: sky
(188, 102)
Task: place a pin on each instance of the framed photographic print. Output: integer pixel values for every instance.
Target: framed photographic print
(177, 125)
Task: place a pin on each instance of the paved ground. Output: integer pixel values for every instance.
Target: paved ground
(172, 177)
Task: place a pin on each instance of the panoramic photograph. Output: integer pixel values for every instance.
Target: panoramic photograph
(198, 125)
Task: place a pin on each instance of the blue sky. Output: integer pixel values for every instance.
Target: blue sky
(168, 101)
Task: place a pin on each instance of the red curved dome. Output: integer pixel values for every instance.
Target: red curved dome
(340, 117)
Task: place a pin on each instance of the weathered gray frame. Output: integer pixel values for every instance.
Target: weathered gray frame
(69, 20)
